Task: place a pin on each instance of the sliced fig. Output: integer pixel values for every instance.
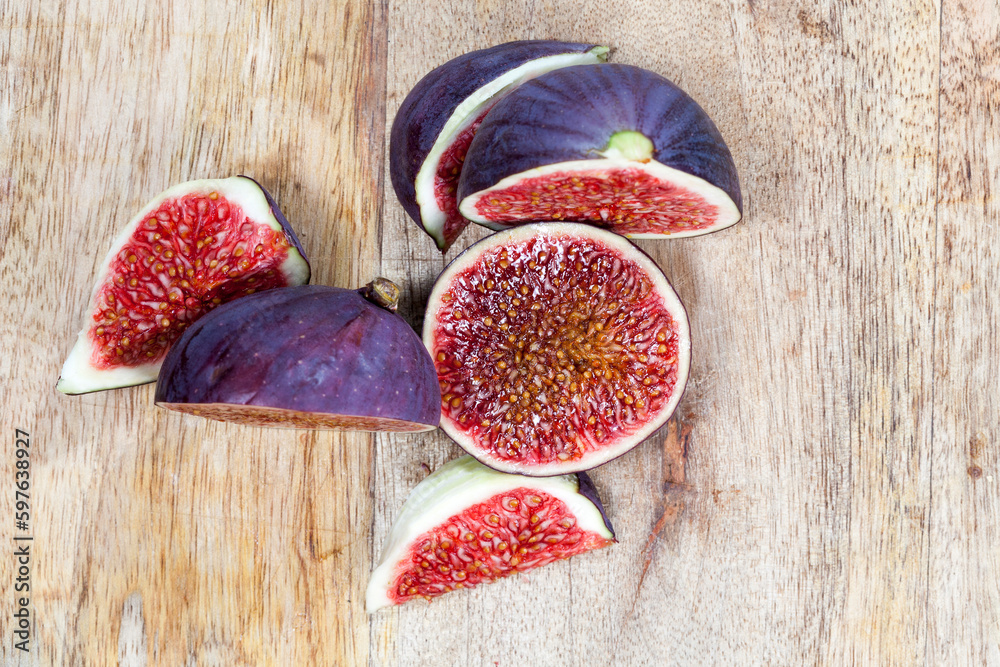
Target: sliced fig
(467, 525)
(558, 346)
(191, 248)
(305, 357)
(438, 119)
(611, 145)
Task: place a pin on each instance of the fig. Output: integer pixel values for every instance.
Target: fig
(611, 145)
(305, 357)
(466, 525)
(558, 346)
(438, 119)
(194, 246)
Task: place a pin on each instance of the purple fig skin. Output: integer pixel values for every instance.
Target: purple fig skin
(589, 491)
(282, 220)
(571, 113)
(430, 104)
(313, 349)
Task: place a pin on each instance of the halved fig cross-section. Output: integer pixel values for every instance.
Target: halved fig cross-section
(467, 525)
(438, 118)
(611, 145)
(558, 347)
(305, 357)
(191, 248)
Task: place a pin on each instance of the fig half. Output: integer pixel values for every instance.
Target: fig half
(192, 247)
(611, 145)
(467, 525)
(558, 346)
(305, 357)
(438, 118)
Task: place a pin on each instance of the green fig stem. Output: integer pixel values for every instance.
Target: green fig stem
(382, 292)
(602, 53)
(629, 145)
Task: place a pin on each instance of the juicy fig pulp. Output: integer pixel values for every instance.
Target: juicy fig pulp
(437, 120)
(611, 145)
(191, 248)
(305, 357)
(466, 525)
(558, 347)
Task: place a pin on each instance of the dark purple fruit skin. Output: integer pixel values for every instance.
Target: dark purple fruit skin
(282, 220)
(311, 348)
(434, 99)
(589, 491)
(570, 113)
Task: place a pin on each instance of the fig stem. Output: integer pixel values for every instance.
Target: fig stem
(629, 145)
(382, 292)
(602, 52)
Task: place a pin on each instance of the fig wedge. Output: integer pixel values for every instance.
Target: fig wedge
(615, 146)
(439, 117)
(194, 246)
(305, 357)
(467, 525)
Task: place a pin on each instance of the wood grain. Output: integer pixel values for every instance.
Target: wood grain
(963, 623)
(204, 543)
(828, 492)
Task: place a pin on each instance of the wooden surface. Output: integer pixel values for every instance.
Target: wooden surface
(828, 493)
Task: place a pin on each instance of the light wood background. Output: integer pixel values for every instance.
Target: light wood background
(829, 492)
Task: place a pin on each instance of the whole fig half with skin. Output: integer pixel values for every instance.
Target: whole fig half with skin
(439, 117)
(558, 346)
(467, 525)
(611, 145)
(192, 247)
(305, 357)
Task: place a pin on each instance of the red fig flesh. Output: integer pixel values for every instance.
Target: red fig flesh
(558, 347)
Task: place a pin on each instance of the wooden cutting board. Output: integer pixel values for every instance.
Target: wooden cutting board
(828, 491)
